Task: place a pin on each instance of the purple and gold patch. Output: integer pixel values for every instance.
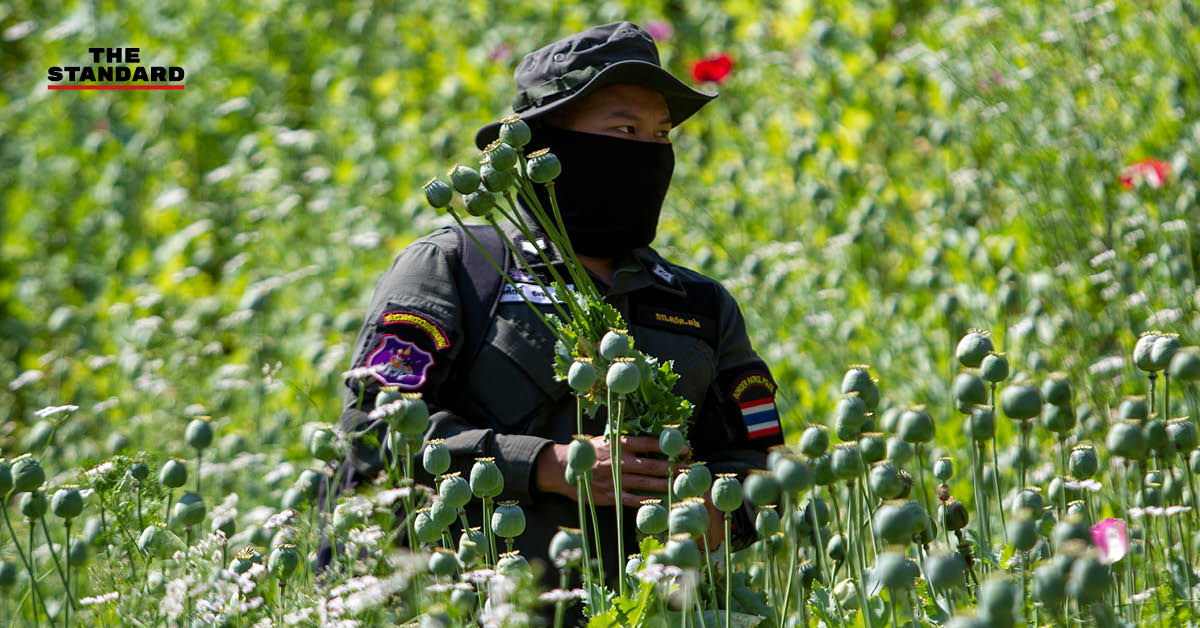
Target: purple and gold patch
(401, 363)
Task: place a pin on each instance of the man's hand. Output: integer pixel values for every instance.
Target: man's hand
(637, 474)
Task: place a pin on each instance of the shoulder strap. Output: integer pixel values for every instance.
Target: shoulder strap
(479, 285)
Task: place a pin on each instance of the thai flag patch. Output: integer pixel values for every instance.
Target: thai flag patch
(762, 419)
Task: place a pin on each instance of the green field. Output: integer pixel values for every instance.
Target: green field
(874, 180)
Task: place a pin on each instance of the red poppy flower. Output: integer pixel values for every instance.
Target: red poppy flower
(1150, 171)
(712, 69)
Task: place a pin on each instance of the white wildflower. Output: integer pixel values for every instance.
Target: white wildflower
(246, 581)
(100, 599)
(555, 596)
(367, 538)
(1051, 37)
(1134, 511)
(1171, 511)
(99, 470)
(1136, 299)
(282, 470)
(479, 576)
(1107, 365)
(1110, 291)
(105, 405)
(280, 519)
(391, 496)
(300, 616)
(363, 372)
(387, 410)
(1091, 485)
(505, 614)
(1175, 226)
(1165, 316)
(49, 411)
(1102, 257)
(265, 622)
(176, 593)
(1138, 598)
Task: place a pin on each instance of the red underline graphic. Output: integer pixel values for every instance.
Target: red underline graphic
(114, 87)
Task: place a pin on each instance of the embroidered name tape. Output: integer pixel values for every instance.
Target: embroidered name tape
(530, 292)
(401, 317)
(400, 363)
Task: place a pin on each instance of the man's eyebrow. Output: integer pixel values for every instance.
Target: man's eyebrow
(629, 115)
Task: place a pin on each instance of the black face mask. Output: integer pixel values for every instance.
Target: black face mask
(610, 191)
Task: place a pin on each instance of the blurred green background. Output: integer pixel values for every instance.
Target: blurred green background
(875, 179)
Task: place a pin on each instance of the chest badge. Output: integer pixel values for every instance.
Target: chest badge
(400, 363)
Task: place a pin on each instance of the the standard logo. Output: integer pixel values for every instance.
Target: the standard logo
(115, 76)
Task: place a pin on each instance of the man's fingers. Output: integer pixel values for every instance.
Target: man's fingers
(646, 444)
(644, 483)
(644, 466)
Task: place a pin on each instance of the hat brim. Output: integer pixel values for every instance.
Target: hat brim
(682, 101)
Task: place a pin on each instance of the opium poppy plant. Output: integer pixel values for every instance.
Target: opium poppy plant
(1150, 171)
(712, 69)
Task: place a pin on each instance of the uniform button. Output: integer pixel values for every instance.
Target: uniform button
(559, 57)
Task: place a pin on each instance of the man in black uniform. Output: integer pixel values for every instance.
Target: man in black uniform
(602, 103)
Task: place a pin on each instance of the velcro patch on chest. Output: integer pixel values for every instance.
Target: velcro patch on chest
(531, 292)
(403, 317)
(399, 363)
(754, 393)
(679, 322)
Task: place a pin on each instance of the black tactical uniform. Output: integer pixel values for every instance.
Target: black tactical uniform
(505, 403)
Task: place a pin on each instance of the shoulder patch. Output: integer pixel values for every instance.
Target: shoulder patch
(754, 394)
(399, 363)
(403, 317)
(663, 273)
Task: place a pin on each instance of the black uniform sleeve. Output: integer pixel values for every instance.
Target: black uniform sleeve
(413, 336)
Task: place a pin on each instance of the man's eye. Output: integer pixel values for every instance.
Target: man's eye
(630, 128)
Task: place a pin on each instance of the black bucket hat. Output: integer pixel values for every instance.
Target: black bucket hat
(620, 52)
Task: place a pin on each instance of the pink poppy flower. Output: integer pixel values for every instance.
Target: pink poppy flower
(1112, 541)
(1150, 171)
(660, 30)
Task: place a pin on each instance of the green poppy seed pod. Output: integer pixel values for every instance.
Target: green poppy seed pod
(1071, 528)
(847, 463)
(814, 441)
(437, 193)
(681, 488)
(1056, 389)
(835, 549)
(512, 565)
(1083, 462)
(1022, 531)
(671, 441)
(27, 474)
(766, 523)
(615, 344)
(893, 523)
(508, 521)
(652, 517)
(1021, 401)
(968, 390)
(859, 380)
(1163, 349)
(226, 526)
(514, 131)
(633, 565)
(8, 576)
(1029, 499)
(981, 424)
(994, 367)
(486, 478)
(581, 456)
(761, 488)
(689, 517)
(139, 470)
(293, 498)
(567, 541)
(1050, 586)
(681, 551)
(954, 514)
(388, 395)
(443, 563)
(454, 490)
(852, 410)
(1181, 432)
(1125, 439)
(33, 504)
(943, 468)
(898, 451)
(945, 570)
(793, 474)
(872, 447)
(479, 203)
(998, 599)
(916, 425)
(500, 155)
(623, 377)
(1089, 580)
(823, 471)
(1154, 432)
(92, 528)
(6, 479)
(727, 492)
(1142, 349)
(917, 518)
(1185, 365)
(77, 555)
(66, 503)
(442, 513)
(469, 543)
(846, 429)
(1134, 407)
(1059, 419)
(543, 167)
(308, 483)
(699, 478)
(884, 480)
(465, 180)
(157, 541)
(582, 375)
(972, 348)
(1046, 523)
(436, 457)
(413, 417)
(283, 561)
(189, 510)
(173, 474)
(906, 483)
(894, 570)
(116, 442)
(425, 528)
(321, 444)
(199, 434)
